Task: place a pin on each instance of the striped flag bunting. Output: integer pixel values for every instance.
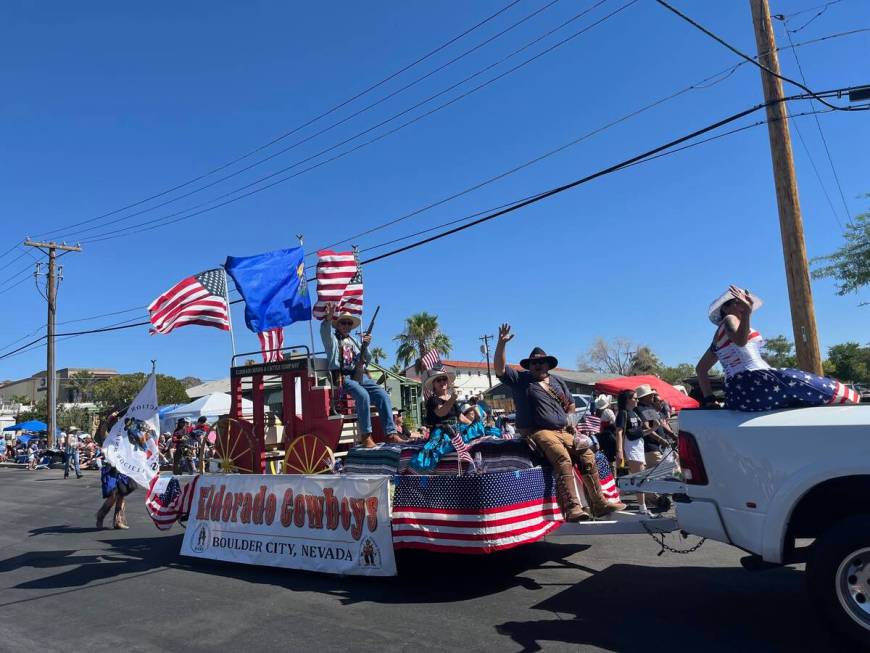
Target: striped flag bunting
(478, 513)
(591, 424)
(431, 359)
(271, 342)
(168, 500)
(608, 482)
(200, 299)
(339, 282)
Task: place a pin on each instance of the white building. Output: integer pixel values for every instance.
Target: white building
(471, 377)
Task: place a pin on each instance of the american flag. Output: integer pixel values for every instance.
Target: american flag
(200, 299)
(608, 482)
(475, 513)
(339, 282)
(431, 359)
(168, 500)
(591, 424)
(463, 455)
(271, 342)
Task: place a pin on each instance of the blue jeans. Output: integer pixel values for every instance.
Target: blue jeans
(72, 457)
(369, 392)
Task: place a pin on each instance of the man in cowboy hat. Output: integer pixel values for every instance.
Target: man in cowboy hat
(342, 353)
(543, 404)
(71, 454)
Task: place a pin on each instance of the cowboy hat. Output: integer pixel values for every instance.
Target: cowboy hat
(715, 312)
(344, 315)
(537, 354)
(603, 401)
(73, 429)
(643, 390)
(429, 377)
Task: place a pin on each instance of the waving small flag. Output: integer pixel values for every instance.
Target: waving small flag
(461, 451)
(431, 359)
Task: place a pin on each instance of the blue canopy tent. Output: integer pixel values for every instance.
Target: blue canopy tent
(33, 425)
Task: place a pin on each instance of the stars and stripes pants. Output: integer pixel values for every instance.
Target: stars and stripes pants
(756, 390)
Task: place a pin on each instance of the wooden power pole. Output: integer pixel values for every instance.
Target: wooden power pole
(791, 225)
(485, 350)
(51, 295)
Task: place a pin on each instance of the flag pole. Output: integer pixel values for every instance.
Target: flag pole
(301, 238)
(229, 312)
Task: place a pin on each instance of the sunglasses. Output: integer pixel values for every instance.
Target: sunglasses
(346, 322)
(542, 362)
(441, 379)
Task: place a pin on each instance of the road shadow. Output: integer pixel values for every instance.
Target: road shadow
(122, 557)
(424, 577)
(65, 529)
(611, 607)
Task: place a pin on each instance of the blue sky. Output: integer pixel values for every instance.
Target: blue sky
(105, 104)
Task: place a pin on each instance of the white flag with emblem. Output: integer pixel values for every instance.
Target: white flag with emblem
(131, 446)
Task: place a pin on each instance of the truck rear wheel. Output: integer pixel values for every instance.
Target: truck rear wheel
(838, 577)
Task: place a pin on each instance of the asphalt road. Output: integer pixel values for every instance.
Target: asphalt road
(66, 586)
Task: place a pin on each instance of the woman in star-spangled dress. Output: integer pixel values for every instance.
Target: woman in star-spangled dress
(750, 383)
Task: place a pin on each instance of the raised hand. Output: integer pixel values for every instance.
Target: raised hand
(504, 333)
(742, 295)
(330, 311)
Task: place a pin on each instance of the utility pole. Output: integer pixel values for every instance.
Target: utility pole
(51, 295)
(791, 226)
(485, 350)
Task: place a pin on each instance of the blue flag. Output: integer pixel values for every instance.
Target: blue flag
(273, 287)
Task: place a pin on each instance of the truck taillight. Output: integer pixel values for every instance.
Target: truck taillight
(690, 460)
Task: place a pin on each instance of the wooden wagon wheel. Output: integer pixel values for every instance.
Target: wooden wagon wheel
(307, 454)
(234, 446)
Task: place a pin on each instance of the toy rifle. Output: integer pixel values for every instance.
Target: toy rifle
(363, 350)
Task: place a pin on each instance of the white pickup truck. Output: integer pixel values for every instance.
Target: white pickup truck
(786, 486)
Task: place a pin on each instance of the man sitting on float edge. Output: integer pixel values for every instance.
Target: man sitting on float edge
(543, 404)
(342, 353)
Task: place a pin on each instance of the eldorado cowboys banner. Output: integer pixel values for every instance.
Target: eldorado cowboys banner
(333, 524)
(130, 446)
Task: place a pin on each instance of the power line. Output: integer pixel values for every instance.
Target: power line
(654, 153)
(821, 135)
(299, 127)
(823, 7)
(159, 221)
(328, 128)
(751, 60)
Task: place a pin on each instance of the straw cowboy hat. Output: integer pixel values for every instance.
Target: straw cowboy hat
(429, 377)
(643, 390)
(714, 312)
(73, 429)
(603, 401)
(537, 354)
(344, 315)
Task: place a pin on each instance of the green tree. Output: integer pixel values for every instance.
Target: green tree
(420, 335)
(677, 374)
(644, 361)
(779, 352)
(378, 354)
(849, 265)
(190, 381)
(120, 390)
(849, 362)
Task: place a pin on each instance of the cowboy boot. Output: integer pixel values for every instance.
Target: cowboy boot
(592, 485)
(103, 511)
(120, 516)
(568, 499)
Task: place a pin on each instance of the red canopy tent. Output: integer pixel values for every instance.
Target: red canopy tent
(666, 391)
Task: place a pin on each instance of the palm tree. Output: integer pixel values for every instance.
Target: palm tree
(421, 334)
(378, 354)
(82, 384)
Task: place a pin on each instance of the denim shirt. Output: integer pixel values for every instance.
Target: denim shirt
(332, 346)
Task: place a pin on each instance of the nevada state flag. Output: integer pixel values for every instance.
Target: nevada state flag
(131, 446)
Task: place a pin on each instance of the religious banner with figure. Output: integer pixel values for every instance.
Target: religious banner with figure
(131, 445)
(322, 522)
